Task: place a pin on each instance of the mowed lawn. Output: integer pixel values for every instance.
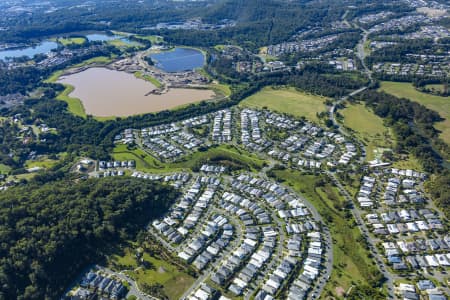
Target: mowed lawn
(287, 100)
(436, 103)
(368, 127)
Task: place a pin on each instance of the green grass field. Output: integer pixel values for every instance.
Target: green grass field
(175, 282)
(436, 87)
(154, 39)
(222, 88)
(4, 169)
(148, 78)
(71, 40)
(75, 105)
(95, 60)
(352, 264)
(287, 100)
(436, 103)
(368, 127)
(45, 163)
(121, 44)
(225, 153)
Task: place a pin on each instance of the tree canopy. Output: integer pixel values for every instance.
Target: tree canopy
(50, 232)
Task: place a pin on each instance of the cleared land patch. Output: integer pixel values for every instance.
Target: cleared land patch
(158, 271)
(287, 100)
(71, 41)
(436, 103)
(148, 78)
(368, 127)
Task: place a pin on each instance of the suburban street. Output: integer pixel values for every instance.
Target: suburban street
(365, 232)
(133, 288)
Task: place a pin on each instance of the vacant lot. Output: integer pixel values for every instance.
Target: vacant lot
(368, 127)
(287, 100)
(436, 103)
(174, 281)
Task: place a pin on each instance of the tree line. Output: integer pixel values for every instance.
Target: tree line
(412, 124)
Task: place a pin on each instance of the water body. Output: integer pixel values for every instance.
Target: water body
(106, 93)
(179, 60)
(100, 37)
(41, 48)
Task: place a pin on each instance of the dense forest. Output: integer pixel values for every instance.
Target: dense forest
(439, 190)
(258, 22)
(50, 232)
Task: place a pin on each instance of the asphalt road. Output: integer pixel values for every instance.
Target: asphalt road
(365, 232)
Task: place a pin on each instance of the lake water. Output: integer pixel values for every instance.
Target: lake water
(41, 48)
(100, 37)
(179, 59)
(106, 93)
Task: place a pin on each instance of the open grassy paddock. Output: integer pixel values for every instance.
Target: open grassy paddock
(367, 127)
(95, 60)
(287, 100)
(148, 78)
(370, 129)
(435, 87)
(45, 163)
(436, 103)
(71, 40)
(352, 264)
(74, 104)
(4, 169)
(174, 281)
(121, 44)
(154, 39)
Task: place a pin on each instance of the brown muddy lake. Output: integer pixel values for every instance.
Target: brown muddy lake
(106, 93)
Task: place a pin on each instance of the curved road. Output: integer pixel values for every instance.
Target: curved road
(355, 211)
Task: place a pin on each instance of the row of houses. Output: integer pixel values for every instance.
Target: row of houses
(251, 132)
(221, 132)
(102, 165)
(204, 247)
(419, 245)
(186, 140)
(162, 148)
(205, 292)
(185, 215)
(426, 289)
(177, 179)
(212, 169)
(96, 283)
(401, 187)
(199, 223)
